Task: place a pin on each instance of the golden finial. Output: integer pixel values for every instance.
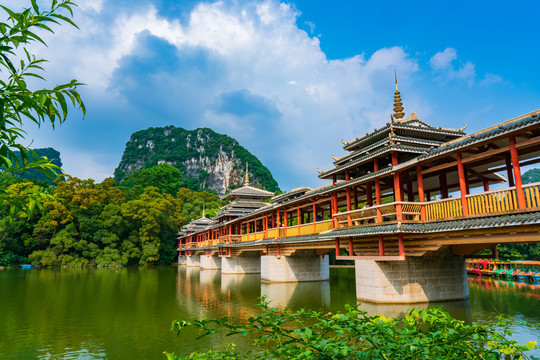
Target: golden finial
(398, 106)
(247, 175)
(203, 212)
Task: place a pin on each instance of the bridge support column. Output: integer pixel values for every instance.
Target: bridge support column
(242, 264)
(182, 259)
(305, 267)
(438, 276)
(210, 262)
(193, 260)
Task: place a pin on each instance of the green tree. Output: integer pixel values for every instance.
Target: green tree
(166, 178)
(19, 102)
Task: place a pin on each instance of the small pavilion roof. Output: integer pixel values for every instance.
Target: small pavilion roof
(247, 192)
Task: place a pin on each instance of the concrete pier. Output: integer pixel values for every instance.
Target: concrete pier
(439, 276)
(242, 264)
(210, 262)
(182, 259)
(306, 266)
(193, 260)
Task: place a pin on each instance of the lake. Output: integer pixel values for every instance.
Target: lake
(126, 313)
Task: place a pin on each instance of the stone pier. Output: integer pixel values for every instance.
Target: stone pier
(182, 259)
(247, 263)
(210, 262)
(439, 276)
(306, 266)
(193, 260)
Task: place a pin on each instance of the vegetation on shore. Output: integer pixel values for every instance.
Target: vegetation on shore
(308, 334)
(87, 224)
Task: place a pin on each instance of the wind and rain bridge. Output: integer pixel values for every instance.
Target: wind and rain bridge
(407, 203)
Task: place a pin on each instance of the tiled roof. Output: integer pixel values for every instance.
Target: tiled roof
(368, 157)
(487, 222)
(294, 192)
(247, 191)
(482, 136)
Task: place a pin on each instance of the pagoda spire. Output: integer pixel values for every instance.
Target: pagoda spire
(398, 106)
(247, 175)
(203, 212)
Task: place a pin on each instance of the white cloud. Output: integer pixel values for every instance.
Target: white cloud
(258, 47)
(443, 59)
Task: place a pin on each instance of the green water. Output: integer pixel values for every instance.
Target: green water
(126, 313)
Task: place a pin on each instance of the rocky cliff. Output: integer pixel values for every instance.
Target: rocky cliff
(214, 161)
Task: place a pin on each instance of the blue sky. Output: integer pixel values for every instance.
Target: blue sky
(288, 80)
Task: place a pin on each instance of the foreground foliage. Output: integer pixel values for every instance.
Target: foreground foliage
(308, 334)
(20, 102)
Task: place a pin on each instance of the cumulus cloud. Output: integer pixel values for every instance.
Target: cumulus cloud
(246, 70)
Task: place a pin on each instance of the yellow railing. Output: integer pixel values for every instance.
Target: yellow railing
(253, 236)
(445, 208)
(492, 201)
(532, 194)
(387, 211)
(324, 225)
(272, 233)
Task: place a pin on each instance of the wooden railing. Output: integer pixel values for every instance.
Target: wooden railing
(495, 201)
(444, 208)
(492, 201)
(229, 238)
(532, 194)
(388, 211)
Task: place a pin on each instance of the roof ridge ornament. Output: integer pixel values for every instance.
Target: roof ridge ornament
(247, 175)
(333, 157)
(319, 171)
(398, 105)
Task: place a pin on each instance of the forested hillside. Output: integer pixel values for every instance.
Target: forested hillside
(89, 224)
(206, 160)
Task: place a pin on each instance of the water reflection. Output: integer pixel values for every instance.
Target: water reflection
(314, 295)
(126, 313)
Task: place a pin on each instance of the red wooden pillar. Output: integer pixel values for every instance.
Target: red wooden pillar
(285, 221)
(278, 250)
(517, 173)
(351, 247)
(266, 249)
(369, 194)
(377, 190)
(397, 188)
(274, 219)
(508, 161)
(314, 205)
(334, 180)
(338, 251)
(298, 217)
(401, 245)
(347, 178)
(420, 181)
(332, 200)
(486, 185)
(381, 245)
(277, 222)
(462, 184)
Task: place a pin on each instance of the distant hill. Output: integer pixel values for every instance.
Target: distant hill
(205, 158)
(531, 176)
(37, 175)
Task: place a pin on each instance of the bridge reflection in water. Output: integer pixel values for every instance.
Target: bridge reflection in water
(211, 294)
